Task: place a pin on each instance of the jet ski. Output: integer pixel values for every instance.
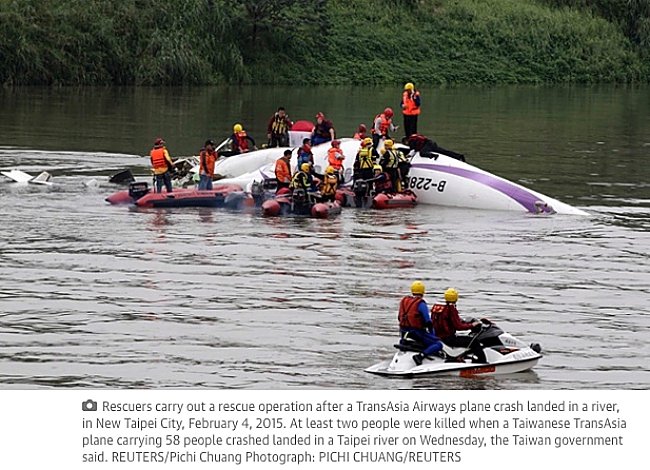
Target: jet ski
(504, 354)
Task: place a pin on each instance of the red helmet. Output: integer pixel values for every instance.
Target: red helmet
(158, 141)
(320, 115)
(362, 128)
(388, 112)
(336, 143)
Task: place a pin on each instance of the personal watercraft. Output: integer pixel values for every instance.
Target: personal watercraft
(503, 354)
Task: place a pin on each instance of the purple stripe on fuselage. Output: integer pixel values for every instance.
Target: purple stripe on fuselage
(517, 193)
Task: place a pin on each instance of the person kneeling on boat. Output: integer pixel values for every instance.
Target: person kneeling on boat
(383, 183)
(162, 165)
(207, 158)
(329, 185)
(415, 323)
(428, 148)
(446, 321)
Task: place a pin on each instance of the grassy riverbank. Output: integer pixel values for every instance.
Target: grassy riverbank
(187, 42)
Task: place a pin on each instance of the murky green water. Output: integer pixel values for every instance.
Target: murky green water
(100, 296)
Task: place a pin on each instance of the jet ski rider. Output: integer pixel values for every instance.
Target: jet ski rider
(446, 321)
(415, 322)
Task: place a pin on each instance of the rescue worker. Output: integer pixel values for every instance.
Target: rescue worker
(389, 161)
(305, 154)
(428, 148)
(207, 159)
(277, 129)
(361, 133)
(303, 188)
(446, 322)
(365, 160)
(303, 179)
(382, 125)
(163, 165)
(241, 142)
(415, 323)
(410, 109)
(335, 159)
(323, 131)
(283, 170)
(404, 166)
(383, 183)
(329, 185)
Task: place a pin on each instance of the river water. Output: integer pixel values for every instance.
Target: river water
(93, 295)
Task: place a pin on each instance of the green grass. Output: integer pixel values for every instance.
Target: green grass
(192, 42)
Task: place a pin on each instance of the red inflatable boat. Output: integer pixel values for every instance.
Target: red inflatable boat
(284, 203)
(394, 200)
(140, 194)
(348, 198)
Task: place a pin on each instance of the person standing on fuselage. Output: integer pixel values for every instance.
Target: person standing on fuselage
(381, 126)
(278, 129)
(410, 109)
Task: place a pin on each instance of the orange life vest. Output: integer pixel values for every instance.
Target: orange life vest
(207, 160)
(158, 161)
(408, 316)
(384, 124)
(283, 170)
(408, 99)
(241, 142)
(332, 160)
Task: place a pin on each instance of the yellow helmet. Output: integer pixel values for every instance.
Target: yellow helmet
(237, 128)
(377, 167)
(417, 288)
(329, 169)
(304, 167)
(388, 144)
(367, 141)
(451, 295)
(409, 86)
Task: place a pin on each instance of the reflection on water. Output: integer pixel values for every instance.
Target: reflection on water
(106, 296)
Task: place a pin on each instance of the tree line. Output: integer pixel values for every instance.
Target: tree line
(207, 42)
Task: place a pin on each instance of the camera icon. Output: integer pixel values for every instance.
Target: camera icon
(89, 405)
